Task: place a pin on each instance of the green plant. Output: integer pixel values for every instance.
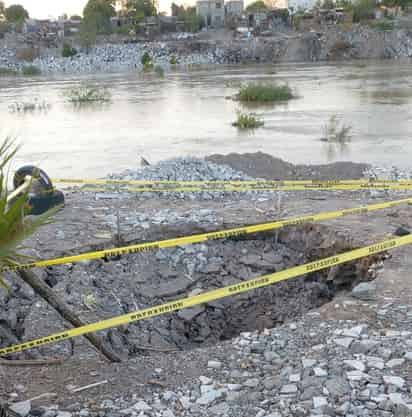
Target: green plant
(159, 71)
(334, 132)
(363, 10)
(30, 70)
(146, 59)
(68, 51)
(247, 121)
(173, 60)
(264, 93)
(82, 95)
(5, 72)
(15, 226)
(384, 25)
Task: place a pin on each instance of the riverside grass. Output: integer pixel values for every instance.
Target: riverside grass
(264, 93)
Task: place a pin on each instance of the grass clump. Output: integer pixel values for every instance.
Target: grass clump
(68, 51)
(6, 72)
(31, 70)
(159, 71)
(384, 25)
(247, 121)
(264, 93)
(173, 60)
(84, 95)
(335, 132)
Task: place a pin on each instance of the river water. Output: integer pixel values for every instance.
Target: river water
(189, 113)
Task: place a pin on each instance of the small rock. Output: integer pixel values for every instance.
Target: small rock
(319, 402)
(394, 363)
(251, 383)
(308, 363)
(394, 380)
(21, 408)
(142, 406)
(289, 389)
(365, 291)
(320, 372)
(344, 341)
(214, 364)
(402, 231)
(209, 397)
(360, 366)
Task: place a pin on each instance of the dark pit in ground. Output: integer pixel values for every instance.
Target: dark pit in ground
(102, 289)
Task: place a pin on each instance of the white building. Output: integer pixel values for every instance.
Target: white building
(212, 11)
(234, 8)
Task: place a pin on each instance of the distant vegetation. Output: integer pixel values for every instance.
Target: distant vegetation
(264, 93)
(30, 70)
(5, 72)
(335, 132)
(247, 121)
(83, 95)
(159, 71)
(68, 51)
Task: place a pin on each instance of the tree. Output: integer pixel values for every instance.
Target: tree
(139, 9)
(76, 17)
(88, 33)
(257, 6)
(364, 10)
(16, 13)
(100, 12)
(192, 22)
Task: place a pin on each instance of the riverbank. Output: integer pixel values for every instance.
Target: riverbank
(332, 43)
(314, 346)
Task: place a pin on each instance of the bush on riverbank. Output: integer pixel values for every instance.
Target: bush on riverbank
(82, 95)
(247, 121)
(31, 70)
(6, 72)
(68, 51)
(159, 71)
(264, 93)
(334, 132)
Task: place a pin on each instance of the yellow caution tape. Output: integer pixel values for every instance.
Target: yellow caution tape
(180, 241)
(267, 183)
(214, 295)
(245, 188)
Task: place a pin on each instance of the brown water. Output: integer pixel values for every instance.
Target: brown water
(188, 113)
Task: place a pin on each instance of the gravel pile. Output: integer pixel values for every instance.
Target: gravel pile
(304, 369)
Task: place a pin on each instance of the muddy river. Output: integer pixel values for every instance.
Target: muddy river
(189, 113)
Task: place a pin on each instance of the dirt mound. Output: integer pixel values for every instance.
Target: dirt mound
(261, 165)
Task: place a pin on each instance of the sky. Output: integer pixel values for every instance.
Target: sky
(55, 8)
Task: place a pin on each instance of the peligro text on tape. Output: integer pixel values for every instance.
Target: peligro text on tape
(214, 295)
(246, 188)
(169, 243)
(230, 182)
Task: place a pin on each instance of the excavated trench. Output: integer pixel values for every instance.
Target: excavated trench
(102, 289)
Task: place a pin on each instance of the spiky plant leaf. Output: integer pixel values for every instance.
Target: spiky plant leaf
(15, 225)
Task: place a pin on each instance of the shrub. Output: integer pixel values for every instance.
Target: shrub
(30, 70)
(364, 10)
(68, 51)
(159, 71)
(334, 132)
(384, 25)
(5, 72)
(173, 60)
(15, 226)
(247, 121)
(146, 59)
(264, 93)
(82, 95)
